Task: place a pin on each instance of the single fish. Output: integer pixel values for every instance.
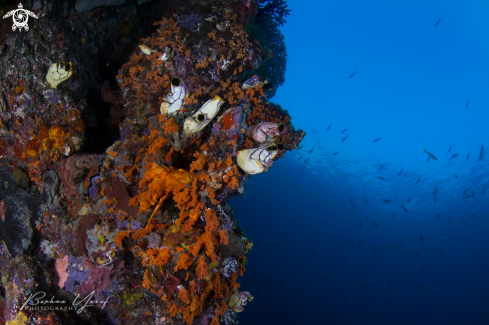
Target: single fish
(365, 200)
(389, 284)
(456, 176)
(353, 208)
(430, 155)
(448, 236)
(364, 284)
(304, 167)
(306, 160)
(397, 247)
(351, 76)
(416, 255)
(449, 149)
(421, 269)
(378, 139)
(381, 178)
(338, 244)
(438, 22)
(344, 139)
(404, 208)
(312, 149)
(285, 205)
(300, 147)
(421, 238)
(471, 196)
(482, 153)
(299, 158)
(308, 239)
(435, 198)
(335, 153)
(409, 200)
(373, 250)
(379, 251)
(334, 269)
(375, 223)
(399, 174)
(442, 252)
(351, 200)
(366, 218)
(386, 201)
(465, 192)
(455, 155)
(393, 214)
(360, 224)
(468, 156)
(344, 130)
(435, 191)
(450, 218)
(381, 166)
(438, 215)
(484, 189)
(464, 223)
(467, 105)
(404, 257)
(329, 127)
(360, 242)
(382, 313)
(419, 180)
(473, 216)
(398, 241)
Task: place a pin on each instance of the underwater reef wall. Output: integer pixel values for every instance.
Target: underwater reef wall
(142, 228)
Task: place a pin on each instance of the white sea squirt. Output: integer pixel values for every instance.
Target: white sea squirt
(257, 160)
(203, 116)
(175, 99)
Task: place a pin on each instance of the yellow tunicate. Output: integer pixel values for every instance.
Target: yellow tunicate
(59, 72)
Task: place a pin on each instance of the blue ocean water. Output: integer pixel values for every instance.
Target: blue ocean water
(416, 86)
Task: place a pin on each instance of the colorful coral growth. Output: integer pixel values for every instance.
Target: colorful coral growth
(148, 223)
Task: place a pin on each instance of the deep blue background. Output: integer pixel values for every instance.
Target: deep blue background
(411, 88)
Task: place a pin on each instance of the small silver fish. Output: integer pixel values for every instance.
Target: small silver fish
(404, 208)
(448, 236)
(438, 22)
(378, 139)
(482, 153)
(344, 139)
(430, 155)
(329, 127)
(351, 76)
(455, 155)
